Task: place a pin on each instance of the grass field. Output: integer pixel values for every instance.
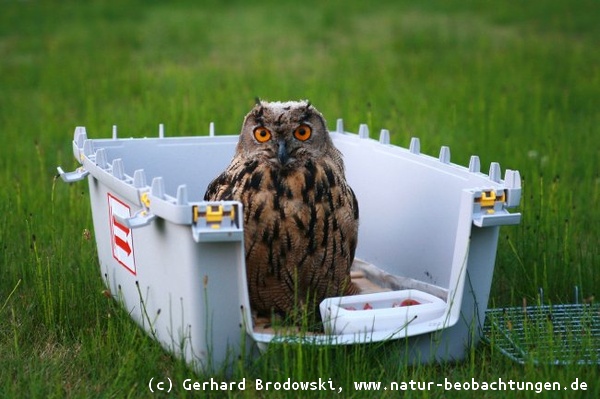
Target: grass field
(515, 82)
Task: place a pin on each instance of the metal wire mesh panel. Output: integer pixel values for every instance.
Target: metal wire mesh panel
(549, 334)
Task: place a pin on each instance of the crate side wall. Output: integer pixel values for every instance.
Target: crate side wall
(193, 162)
(176, 293)
(408, 213)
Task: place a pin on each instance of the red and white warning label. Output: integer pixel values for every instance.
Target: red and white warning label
(121, 235)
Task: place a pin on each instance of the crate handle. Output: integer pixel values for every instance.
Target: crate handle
(72, 177)
(139, 219)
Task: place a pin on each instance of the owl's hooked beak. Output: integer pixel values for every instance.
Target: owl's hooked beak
(282, 153)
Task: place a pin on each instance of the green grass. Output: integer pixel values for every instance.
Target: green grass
(515, 82)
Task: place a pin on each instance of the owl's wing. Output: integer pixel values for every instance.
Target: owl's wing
(220, 188)
(353, 242)
(354, 204)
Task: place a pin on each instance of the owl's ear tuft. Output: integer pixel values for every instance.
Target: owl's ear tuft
(258, 111)
(306, 111)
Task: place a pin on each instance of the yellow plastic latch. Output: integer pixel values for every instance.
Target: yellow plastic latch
(214, 213)
(487, 198)
(145, 199)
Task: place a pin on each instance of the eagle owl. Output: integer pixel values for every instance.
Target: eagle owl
(300, 214)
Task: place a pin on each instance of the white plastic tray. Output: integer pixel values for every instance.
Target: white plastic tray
(391, 311)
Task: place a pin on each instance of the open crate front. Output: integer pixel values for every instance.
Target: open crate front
(427, 227)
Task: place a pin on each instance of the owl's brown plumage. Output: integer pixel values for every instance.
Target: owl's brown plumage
(300, 214)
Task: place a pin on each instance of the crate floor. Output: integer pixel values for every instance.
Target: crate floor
(365, 286)
(369, 279)
(549, 334)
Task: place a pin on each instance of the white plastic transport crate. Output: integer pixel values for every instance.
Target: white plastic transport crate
(427, 245)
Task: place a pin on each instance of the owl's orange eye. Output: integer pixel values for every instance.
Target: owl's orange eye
(303, 132)
(262, 134)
